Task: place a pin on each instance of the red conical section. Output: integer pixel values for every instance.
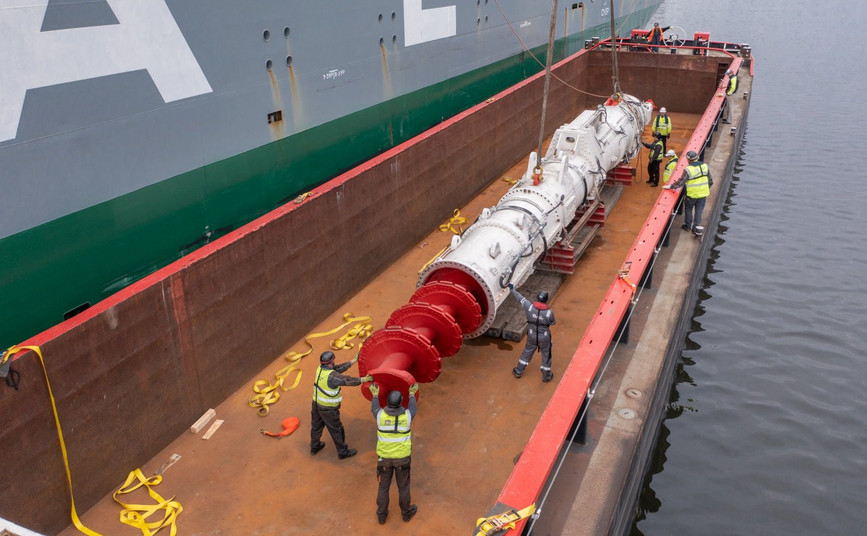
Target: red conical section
(410, 347)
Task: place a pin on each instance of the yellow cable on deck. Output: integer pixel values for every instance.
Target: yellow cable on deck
(267, 392)
(135, 515)
(75, 521)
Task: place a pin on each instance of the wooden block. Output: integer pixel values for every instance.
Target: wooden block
(203, 421)
(172, 459)
(212, 429)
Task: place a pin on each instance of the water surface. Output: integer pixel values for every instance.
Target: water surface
(767, 427)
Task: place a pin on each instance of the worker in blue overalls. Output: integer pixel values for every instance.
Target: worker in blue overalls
(539, 320)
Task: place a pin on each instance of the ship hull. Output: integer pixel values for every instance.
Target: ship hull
(110, 183)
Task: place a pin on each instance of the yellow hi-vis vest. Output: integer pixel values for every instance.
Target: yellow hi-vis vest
(393, 435)
(669, 168)
(662, 124)
(696, 185)
(322, 394)
(659, 154)
(733, 84)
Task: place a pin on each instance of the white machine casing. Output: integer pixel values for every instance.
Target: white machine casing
(504, 243)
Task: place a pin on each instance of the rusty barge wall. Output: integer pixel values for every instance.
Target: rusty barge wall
(136, 370)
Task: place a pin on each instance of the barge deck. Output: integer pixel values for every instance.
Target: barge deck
(472, 422)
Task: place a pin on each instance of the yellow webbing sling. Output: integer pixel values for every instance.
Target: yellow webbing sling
(75, 521)
(486, 526)
(267, 393)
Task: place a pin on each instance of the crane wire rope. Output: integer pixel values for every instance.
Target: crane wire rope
(614, 75)
(549, 59)
(530, 52)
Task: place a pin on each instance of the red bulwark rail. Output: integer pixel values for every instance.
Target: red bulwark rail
(525, 484)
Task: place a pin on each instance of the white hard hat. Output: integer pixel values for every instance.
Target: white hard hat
(671, 153)
(662, 110)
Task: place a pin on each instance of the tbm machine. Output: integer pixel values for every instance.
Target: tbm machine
(459, 292)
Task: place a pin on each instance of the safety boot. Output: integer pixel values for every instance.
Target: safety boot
(698, 231)
(348, 454)
(547, 375)
(316, 448)
(413, 509)
(518, 372)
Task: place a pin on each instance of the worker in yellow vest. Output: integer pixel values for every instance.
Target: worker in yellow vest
(731, 88)
(669, 166)
(654, 160)
(698, 181)
(394, 448)
(325, 413)
(662, 126)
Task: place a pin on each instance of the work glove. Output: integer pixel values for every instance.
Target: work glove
(367, 378)
(413, 389)
(355, 359)
(511, 286)
(374, 389)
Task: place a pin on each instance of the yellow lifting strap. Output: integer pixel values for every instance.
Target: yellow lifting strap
(623, 274)
(455, 224)
(486, 526)
(300, 199)
(75, 520)
(267, 392)
(135, 515)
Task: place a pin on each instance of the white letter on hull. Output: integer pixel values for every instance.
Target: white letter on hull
(422, 25)
(147, 37)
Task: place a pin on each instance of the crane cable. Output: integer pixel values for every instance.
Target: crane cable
(548, 61)
(615, 78)
(537, 60)
(530, 52)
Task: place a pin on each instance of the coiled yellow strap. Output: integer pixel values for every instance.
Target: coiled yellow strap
(267, 392)
(135, 515)
(455, 224)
